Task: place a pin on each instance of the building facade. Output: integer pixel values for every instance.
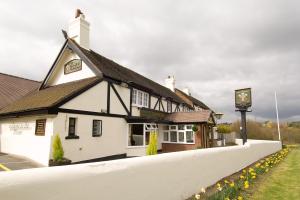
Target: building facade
(100, 109)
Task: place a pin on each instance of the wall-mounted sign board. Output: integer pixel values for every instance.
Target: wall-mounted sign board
(73, 66)
(243, 99)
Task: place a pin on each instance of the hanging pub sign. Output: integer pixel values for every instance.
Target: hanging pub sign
(73, 66)
(243, 99)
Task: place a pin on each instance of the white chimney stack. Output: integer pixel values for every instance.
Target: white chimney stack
(187, 91)
(79, 30)
(170, 83)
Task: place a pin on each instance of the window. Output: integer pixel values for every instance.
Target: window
(72, 129)
(140, 98)
(40, 127)
(178, 134)
(146, 98)
(180, 127)
(139, 134)
(189, 137)
(181, 136)
(134, 94)
(97, 128)
(173, 136)
(166, 136)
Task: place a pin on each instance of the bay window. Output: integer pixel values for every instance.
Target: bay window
(179, 134)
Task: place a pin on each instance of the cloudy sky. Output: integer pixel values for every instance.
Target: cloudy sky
(212, 47)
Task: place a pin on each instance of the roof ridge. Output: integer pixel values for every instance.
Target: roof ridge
(14, 76)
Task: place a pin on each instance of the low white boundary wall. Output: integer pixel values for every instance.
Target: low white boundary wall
(168, 176)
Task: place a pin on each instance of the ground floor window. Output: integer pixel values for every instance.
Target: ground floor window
(139, 134)
(97, 128)
(72, 128)
(178, 134)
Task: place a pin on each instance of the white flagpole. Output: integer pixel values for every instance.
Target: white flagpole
(277, 117)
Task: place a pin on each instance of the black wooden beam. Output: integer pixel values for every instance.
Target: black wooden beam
(120, 99)
(108, 97)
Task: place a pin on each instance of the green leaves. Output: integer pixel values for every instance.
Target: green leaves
(57, 151)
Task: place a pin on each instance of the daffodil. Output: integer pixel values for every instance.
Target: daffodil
(203, 190)
(197, 196)
(232, 184)
(240, 198)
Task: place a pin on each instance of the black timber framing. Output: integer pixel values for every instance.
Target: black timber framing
(108, 98)
(131, 93)
(162, 105)
(156, 104)
(83, 112)
(120, 99)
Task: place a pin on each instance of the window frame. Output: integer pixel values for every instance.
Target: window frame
(140, 98)
(100, 128)
(72, 136)
(175, 128)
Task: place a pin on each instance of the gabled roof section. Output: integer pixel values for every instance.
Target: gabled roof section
(70, 44)
(50, 97)
(13, 88)
(191, 100)
(113, 70)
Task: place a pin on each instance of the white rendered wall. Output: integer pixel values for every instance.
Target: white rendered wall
(112, 142)
(170, 176)
(24, 142)
(58, 76)
(93, 100)
(115, 104)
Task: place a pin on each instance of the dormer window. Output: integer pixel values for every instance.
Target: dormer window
(140, 98)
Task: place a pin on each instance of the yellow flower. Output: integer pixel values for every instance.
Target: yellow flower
(232, 184)
(246, 184)
(253, 177)
(244, 171)
(203, 190)
(226, 181)
(242, 177)
(240, 198)
(197, 196)
(226, 198)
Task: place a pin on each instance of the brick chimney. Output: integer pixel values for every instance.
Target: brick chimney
(170, 83)
(79, 30)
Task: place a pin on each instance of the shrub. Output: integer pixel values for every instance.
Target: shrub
(58, 152)
(152, 147)
(195, 128)
(224, 129)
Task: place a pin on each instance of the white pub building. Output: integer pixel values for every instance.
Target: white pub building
(100, 109)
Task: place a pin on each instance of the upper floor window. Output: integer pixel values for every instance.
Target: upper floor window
(140, 98)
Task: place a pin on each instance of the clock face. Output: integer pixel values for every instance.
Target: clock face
(243, 98)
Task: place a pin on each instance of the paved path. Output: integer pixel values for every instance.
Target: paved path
(284, 181)
(10, 162)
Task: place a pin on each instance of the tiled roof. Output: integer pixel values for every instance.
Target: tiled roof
(115, 71)
(190, 99)
(189, 117)
(13, 88)
(48, 97)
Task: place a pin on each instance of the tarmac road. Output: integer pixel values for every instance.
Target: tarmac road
(11, 162)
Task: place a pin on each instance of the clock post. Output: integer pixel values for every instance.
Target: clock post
(243, 101)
